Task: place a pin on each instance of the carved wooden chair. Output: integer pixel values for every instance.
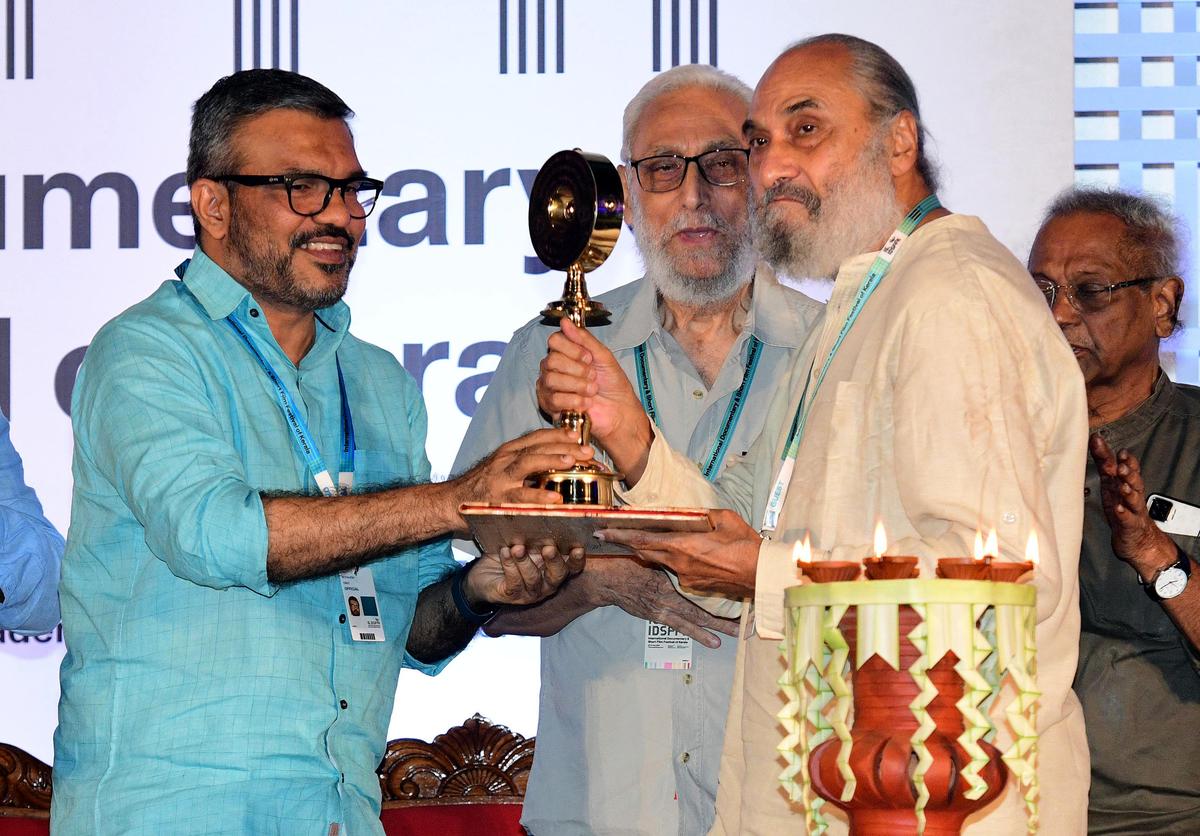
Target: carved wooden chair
(468, 781)
(24, 793)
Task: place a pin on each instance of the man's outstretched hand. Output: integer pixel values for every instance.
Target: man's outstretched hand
(500, 478)
(723, 561)
(647, 592)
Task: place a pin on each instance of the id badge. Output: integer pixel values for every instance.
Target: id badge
(667, 649)
(362, 606)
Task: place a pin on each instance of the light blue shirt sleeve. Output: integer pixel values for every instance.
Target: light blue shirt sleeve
(169, 459)
(30, 550)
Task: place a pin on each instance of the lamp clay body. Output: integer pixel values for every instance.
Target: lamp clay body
(882, 758)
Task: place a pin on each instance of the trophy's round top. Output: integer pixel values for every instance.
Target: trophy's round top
(575, 210)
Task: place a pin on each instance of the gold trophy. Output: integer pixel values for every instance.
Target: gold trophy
(575, 212)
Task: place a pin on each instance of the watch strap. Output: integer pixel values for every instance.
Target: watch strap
(459, 594)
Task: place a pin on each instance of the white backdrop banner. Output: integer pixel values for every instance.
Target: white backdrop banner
(458, 105)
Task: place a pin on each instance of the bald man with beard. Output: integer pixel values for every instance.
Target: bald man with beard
(938, 395)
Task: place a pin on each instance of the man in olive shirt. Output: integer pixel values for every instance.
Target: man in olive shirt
(1108, 263)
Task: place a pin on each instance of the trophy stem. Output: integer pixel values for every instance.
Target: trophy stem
(575, 303)
(587, 483)
(575, 296)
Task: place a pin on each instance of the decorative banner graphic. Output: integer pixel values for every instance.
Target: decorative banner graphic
(18, 48)
(536, 34)
(260, 42)
(698, 17)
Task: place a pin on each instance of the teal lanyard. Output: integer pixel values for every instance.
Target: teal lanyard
(879, 268)
(301, 436)
(305, 444)
(733, 412)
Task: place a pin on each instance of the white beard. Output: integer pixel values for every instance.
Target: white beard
(671, 279)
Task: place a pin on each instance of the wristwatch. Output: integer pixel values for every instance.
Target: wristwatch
(459, 596)
(1169, 581)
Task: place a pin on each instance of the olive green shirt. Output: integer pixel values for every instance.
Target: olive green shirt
(1137, 678)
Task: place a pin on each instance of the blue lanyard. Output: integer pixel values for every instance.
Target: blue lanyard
(879, 268)
(300, 433)
(733, 412)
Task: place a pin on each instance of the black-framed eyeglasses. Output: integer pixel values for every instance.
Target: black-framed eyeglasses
(665, 172)
(1089, 297)
(308, 194)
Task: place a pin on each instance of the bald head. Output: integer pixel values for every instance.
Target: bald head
(884, 86)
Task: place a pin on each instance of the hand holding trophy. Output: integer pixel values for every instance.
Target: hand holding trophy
(575, 212)
(576, 207)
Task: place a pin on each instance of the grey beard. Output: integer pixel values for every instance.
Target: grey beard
(858, 213)
(685, 290)
(679, 287)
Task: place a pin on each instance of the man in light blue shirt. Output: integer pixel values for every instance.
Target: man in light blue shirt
(216, 678)
(30, 550)
(632, 717)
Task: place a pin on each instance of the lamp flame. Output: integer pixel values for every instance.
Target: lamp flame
(1031, 549)
(880, 539)
(992, 547)
(802, 551)
(979, 552)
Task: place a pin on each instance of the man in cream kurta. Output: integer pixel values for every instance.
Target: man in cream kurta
(949, 406)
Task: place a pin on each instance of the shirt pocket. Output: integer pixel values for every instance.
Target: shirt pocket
(844, 484)
(376, 469)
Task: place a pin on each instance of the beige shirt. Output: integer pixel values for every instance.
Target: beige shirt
(953, 403)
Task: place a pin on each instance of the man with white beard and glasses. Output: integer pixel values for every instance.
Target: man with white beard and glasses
(939, 397)
(624, 747)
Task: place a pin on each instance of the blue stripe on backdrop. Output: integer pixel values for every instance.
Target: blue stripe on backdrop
(1153, 102)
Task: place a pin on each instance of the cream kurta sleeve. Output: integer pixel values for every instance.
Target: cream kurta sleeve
(672, 479)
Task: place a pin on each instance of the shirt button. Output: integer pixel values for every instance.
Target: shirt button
(342, 618)
(697, 393)
(344, 704)
(254, 312)
(685, 757)
(1009, 517)
(687, 679)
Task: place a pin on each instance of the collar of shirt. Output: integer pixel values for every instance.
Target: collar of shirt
(773, 317)
(1128, 429)
(853, 271)
(220, 295)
